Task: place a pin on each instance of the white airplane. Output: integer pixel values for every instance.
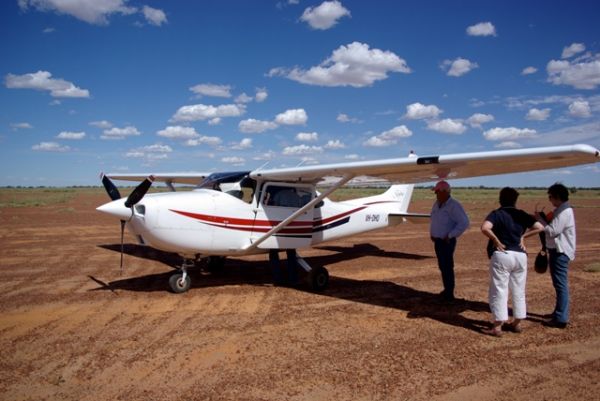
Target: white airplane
(250, 212)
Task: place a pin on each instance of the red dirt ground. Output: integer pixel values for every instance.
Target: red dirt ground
(73, 328)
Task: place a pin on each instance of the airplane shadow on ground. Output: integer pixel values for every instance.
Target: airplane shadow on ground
(417, 303)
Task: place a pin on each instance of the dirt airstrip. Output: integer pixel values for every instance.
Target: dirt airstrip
(73, 328)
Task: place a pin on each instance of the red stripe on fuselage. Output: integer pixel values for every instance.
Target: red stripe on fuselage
(263, 225)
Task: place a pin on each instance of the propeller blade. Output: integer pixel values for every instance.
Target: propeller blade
(138, 193)
(122, 234)
(111, 189)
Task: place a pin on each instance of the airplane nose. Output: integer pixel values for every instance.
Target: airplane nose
(116, 208)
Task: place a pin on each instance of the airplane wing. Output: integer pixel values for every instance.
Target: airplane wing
(168, 178)
(436, 167)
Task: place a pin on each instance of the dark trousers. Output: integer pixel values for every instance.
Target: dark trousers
(276, 268)
(444, 250)
(559, 269)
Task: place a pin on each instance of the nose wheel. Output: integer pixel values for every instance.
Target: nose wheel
(181, 282)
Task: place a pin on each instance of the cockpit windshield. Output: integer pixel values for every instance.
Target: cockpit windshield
(215, 180)
(237, 184)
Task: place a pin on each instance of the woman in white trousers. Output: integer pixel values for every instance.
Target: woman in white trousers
(506, 228)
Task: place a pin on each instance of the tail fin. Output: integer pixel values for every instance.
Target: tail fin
(396, 199)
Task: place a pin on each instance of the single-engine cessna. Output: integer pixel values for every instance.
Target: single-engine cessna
(250, 212)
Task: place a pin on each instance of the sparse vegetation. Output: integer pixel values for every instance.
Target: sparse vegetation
(592, 268)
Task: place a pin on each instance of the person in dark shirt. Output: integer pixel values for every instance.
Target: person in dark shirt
(506, 228)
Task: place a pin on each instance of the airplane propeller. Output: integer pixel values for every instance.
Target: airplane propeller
(134, 197)
(111, 189)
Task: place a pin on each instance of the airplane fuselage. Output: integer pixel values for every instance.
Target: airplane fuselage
(213, 222)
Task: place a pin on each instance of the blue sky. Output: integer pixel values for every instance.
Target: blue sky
(147, 86)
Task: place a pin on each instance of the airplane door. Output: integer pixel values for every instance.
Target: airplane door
(277, 202)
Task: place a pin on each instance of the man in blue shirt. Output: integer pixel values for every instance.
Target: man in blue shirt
(448, 222)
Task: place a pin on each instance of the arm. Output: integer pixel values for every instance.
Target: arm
(461, 219)
(486, 229)
(558, 224)
(533, 230)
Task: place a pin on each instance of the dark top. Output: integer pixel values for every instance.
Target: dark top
(509, 226)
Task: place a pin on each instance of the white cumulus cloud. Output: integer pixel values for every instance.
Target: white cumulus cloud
(509, 134)
(447, 126)
(477, 119)
(212, 90)
(204, 140)
(325, 16)
(42, 80)
(582, 73)
(102, 124)
(50, 147)
(345, 118)
(301, 150)
(482, 29)
(418, 111)
(17, 126)
(335, 144)
(71, 135)
(243, 98)
(178, 132)
(261, 95)
(352, 65)
(154, 16)
(96, 12)
(245, 143)
(197, 112)
(150, 153)
(307, 136)
(120, 133)
(91, 11)
(537, 114)
(580, 108)
(529, 70)
(572, 50)
(292, 117)
(389, 137)
(252, 126)
(508, 145)
(235, 160)
(458, 67)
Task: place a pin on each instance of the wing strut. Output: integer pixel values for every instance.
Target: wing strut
(298, 212)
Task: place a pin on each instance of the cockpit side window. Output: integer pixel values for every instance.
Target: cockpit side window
(284, 196)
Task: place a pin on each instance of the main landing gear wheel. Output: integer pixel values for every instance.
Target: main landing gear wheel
(319, 278)
(179, 283)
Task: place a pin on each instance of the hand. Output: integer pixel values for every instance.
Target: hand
(499, 245)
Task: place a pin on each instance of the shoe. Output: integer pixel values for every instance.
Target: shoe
(513, 328)
(555, 324)
(492, 332)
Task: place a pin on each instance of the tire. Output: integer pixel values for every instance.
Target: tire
(177, 285)
(319, 279)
